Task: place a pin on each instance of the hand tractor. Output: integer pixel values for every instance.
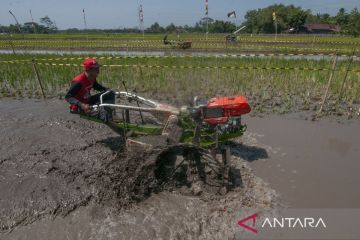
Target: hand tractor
(177, 44)
(198, 133)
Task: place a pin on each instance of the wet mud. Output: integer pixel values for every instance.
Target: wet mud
(311, 164)
(62, 177)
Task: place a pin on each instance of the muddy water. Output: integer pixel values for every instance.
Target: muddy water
(311, 164)
(62, 177)
(174, 53)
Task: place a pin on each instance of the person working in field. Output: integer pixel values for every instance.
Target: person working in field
(79, 95)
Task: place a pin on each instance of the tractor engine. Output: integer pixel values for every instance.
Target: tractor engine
(221, 115)
(220, 110)
(224, 113)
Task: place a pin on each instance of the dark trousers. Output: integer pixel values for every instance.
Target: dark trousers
(105, 113)
(108, 98)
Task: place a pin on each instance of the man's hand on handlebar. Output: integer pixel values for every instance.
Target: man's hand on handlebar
(85, 107)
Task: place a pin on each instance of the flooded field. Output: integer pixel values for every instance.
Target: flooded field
(183, 54)
(311, 164)
(62, 177)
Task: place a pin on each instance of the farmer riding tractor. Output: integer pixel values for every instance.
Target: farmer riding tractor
(232, 37)
(177, 44)
(199, 133)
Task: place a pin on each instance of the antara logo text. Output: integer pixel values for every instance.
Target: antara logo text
(249, 223)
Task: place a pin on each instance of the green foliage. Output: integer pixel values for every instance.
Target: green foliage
(251, 23)
(222, 27)
(171, 28)
(262, 86)
(297, 19)
(261, 20)
(351, 22)
(256, 21)
(46, 26)
(156, 28)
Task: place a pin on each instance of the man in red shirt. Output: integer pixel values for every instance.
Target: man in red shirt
(79, 93)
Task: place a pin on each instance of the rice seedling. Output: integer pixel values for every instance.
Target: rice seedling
(126, 42)
(276, 84)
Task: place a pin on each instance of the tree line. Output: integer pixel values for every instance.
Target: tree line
(46, 25)
(260, 20)
(287, 17)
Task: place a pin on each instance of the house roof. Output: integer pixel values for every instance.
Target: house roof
(323, 26)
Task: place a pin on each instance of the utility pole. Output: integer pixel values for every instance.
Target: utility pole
(141, 19)
(275, 22)
(17, 23)
(85, 25)
(207, 18)
(32, 22)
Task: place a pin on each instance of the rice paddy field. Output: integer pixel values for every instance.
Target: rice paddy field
(248, 43)
(64, 177)
(289, 73)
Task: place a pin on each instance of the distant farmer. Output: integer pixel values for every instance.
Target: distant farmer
(79, 93)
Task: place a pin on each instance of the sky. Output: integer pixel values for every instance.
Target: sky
(124, 13)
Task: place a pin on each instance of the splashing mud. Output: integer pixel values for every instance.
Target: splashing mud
(62, 177)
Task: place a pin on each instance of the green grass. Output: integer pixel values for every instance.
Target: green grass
(194, 36)
(179, 79)
(262, 43)
(278, 90)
